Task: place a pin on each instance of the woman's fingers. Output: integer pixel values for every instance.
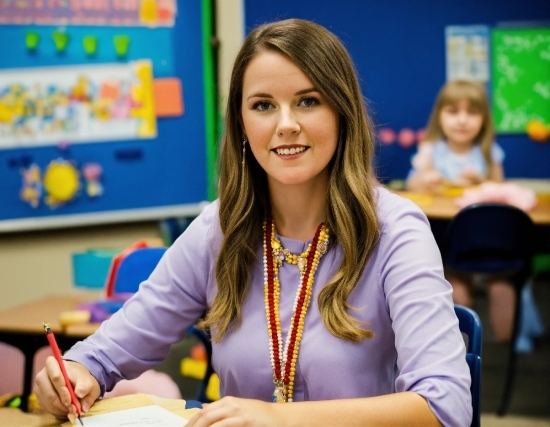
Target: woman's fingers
(58, 381)
(47, 395)
(53, 394)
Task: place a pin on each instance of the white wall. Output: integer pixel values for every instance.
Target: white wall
(34, 264)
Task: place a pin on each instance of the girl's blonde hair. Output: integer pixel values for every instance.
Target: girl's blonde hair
(243, 190)
(475, 94)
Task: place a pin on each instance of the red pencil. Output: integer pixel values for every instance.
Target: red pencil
(57, 355)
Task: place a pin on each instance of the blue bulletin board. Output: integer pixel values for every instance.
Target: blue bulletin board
(398, 47)
(137, 178)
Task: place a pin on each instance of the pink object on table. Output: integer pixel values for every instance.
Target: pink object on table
(150, 382)
(507, 192)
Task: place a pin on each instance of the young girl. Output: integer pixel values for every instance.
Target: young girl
(307, 269)
(459, 150)
(459, 147)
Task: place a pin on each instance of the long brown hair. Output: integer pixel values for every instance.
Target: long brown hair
(475, 94)
(243, 191)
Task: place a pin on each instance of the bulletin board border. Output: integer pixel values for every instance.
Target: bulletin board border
(102, 218)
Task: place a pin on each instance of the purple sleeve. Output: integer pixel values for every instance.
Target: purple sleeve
(139, 336)
(431, 351)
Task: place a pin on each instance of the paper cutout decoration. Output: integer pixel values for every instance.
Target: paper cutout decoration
(420, 135)
(31, 191)
(108, 13)
(538, 131)
(122, 43)
(76, 103)
(387, 136)
(168, 97)
(61, 182)
(31, 40)
(92, 173)
(148, 12)
(406, 137)
(61, 40)
(90, 45)
(143, 95)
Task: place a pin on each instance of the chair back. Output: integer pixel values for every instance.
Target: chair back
(136, 267)
(493, 238)
(489, 238)
(470, 325)
(204, 338)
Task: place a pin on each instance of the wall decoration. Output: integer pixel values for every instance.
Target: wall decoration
(61, 182)
(387, 136)
(92, 173)
(89, 43)
(31, 191)
(521, 78)
(31, 40)
(61, 40)
(150, 13)
(467, 52)
(406, 137)
(43, 106)
(538, 131)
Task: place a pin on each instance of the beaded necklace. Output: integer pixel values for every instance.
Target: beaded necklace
(284, 367)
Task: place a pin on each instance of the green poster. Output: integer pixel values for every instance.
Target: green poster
(520, 78)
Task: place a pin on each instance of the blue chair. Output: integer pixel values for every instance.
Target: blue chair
(493, 238)
(470, 325)
(135, 268)
(204, 338)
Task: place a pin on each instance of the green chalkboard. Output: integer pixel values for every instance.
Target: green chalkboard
(520, 77)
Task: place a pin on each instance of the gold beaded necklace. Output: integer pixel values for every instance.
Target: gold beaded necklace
(284, 367)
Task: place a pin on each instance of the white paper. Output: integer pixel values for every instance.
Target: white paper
(143, 416)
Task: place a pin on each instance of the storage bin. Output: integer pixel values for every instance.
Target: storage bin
(90, 268)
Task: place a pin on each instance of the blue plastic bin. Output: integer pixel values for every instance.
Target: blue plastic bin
(90, 268)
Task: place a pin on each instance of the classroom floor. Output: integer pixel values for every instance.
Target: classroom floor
(530, 404)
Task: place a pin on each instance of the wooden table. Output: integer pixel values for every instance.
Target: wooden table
(13, 417)
(21, 326)
(443, 207)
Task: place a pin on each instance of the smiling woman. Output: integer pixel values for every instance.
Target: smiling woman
(307, 269)
(292, 130)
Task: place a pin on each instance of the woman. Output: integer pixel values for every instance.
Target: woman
(301, 239)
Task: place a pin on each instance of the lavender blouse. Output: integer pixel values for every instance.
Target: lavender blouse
(402, 296)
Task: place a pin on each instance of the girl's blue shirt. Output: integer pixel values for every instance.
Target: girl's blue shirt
(451, 164)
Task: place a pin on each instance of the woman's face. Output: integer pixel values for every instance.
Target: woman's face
(292, 130)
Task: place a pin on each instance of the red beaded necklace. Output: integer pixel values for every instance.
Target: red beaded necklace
(284, 367)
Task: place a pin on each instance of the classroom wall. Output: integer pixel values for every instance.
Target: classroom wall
(398, 47)
(38, 263)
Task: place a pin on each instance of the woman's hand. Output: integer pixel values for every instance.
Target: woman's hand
(52, 394)
(237, 412)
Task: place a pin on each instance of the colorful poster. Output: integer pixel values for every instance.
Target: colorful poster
(52, 105)
(467, 52)
(150, 13)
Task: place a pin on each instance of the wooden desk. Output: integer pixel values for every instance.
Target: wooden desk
(21, 326)
(443, 207)
(16, 418)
